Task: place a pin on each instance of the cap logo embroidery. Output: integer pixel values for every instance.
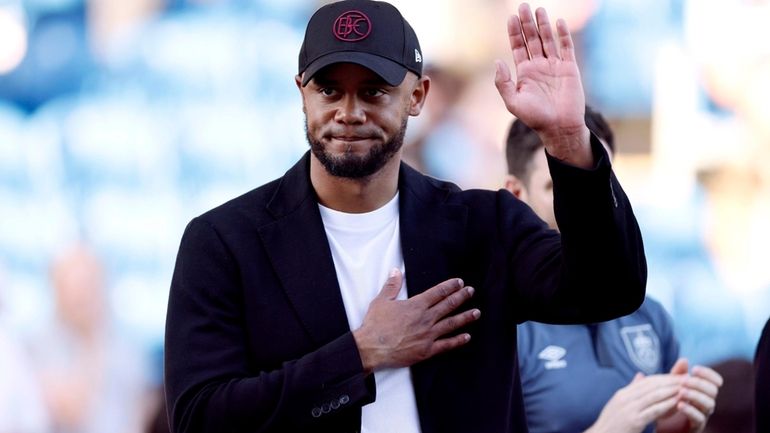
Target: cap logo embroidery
(352, 26)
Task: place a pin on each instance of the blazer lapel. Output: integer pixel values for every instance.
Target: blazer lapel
(299, 252)
(432, 232)
(432, 241)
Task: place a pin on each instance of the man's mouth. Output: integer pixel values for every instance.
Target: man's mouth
(350, 138)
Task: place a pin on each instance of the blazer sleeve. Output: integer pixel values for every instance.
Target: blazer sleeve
(596, 270)
(211, 386)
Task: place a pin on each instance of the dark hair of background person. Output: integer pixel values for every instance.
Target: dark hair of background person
(523, 142)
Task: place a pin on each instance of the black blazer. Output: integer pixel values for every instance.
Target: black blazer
(257, 339)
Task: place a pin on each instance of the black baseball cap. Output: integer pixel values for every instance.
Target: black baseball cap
(372, 34)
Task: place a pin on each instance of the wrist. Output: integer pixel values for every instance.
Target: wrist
(368, 361)
(571, 146)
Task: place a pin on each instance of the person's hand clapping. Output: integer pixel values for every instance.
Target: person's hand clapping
(639, 403)
(697, 400)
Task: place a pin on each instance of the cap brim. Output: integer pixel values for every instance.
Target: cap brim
(390, 71)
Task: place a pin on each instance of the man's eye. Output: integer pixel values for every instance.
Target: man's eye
(327, 91)
(373, 92)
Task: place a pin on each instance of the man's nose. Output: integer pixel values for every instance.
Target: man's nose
(350, 111)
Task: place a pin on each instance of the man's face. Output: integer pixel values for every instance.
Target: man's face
(355, 121)
(538, 192)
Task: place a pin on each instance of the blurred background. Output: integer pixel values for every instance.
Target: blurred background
(120, 120)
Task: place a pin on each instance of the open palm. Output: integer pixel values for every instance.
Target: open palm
(547, 94)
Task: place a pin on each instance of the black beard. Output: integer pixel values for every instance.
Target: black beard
(353, 166)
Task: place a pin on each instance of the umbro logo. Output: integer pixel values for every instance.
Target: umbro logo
(552, 355)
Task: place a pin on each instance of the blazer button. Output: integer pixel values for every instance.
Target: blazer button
(335, 404)
(326, 408)
(316, 412)
(344, 399)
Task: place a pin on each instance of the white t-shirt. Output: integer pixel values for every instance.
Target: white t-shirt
(365, 247)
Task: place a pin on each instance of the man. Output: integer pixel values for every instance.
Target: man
(355, 294)
(603, 377)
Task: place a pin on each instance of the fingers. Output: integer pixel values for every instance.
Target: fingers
(702, 388)
(546, 34)
(516, 39)
(567, 47)
(696, 417)
(445, 298)
(702, 402)
(646, 392)
(702, 385)
(656, 389)
(529, 28)
(708, 374)
(533, 37)
(447, 344)
(452, 323)
(643, 400)
(449, 325)
(502, 76)
(680, 366)
(439, 292)
(657, 410)
(392, 285)
(399, 333)
(505, 85)
(451, 302)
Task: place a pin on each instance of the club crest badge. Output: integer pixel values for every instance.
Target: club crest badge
(352, 26)
(643, 346)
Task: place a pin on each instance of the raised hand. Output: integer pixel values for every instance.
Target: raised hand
(547, 94)
(399, 333)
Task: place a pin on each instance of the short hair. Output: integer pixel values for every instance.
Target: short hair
(523, 142)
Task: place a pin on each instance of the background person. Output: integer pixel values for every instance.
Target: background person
(93, 379)
(610, 370)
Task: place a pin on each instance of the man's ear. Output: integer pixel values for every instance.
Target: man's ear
(419, 93)
(516, 187)
(298, 82)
